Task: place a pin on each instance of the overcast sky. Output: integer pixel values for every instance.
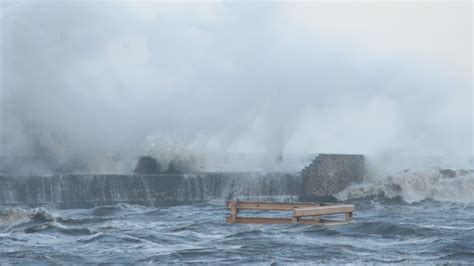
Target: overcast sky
(99, 78)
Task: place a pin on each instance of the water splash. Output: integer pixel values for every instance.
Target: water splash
(416, 186)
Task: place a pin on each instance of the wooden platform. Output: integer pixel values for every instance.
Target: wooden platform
(303, 212)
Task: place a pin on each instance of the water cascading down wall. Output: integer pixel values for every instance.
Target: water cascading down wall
(327, 174)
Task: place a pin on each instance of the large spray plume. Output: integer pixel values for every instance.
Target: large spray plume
(89, 86)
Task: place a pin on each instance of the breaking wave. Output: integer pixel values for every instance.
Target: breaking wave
(414, 186)
(10, 217)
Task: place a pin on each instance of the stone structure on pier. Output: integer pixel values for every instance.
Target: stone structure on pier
(331, 173)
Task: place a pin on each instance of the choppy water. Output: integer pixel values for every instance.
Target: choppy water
(383, 230)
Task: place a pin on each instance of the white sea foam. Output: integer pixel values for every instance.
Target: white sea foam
(415, 186)
(13, 216)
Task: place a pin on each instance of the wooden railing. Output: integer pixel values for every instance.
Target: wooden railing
(303, 212)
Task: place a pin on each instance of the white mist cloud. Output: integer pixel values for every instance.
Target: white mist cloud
(365, 125)
(104, 82)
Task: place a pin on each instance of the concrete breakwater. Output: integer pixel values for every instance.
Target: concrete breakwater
(84, 191)
(326, 175)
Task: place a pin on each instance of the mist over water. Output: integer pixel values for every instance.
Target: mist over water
(90, 86)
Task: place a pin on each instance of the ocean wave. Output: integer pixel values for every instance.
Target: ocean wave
(21, 220)
(10, 217)
(414, 186)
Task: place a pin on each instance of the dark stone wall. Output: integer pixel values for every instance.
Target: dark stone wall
(331, 173)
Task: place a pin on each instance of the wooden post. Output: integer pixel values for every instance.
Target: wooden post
(233, 211)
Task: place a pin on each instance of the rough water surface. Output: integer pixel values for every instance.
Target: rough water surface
(383, 231)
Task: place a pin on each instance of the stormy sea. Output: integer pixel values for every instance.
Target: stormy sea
(411, 217)
(126, 126)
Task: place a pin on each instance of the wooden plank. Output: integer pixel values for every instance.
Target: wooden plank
(322, 210)
(321, 221)
(276, 206)
(272, 220)
(333, 222)
(259, 220)
(303, 212)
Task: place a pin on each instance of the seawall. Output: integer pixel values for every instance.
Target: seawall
(326, 175)
(84, 191)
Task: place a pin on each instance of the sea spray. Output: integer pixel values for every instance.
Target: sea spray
(415, 186)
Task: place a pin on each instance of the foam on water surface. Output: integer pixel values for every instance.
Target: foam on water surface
(382, 231)
(415, 186)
